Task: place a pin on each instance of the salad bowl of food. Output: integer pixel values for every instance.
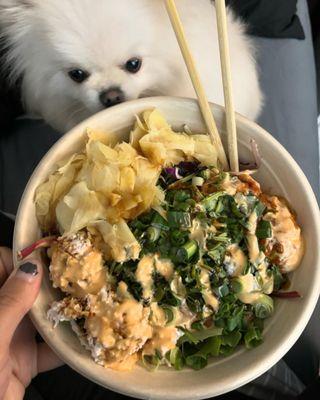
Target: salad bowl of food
(166, 277)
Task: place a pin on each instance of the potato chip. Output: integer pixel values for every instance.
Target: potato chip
(49, 193)
(116, 183)
(114, 199)
(121, 243)
(78, 208)
(99, 152)
(205, 151)
(43, 202)
(67, 165)
(161, 145)
(159, 197)
(139, 130)
(127, 180)
(97, 136)
(155, 152)
(158, 202)
(129, 202)
(146, 173)
(100, 177)
(155, 121)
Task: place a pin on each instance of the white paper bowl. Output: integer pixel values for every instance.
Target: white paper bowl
(279, 174)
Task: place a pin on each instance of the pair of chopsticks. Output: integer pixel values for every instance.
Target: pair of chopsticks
(226, 79)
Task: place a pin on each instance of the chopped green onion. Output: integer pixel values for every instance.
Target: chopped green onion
(185, 179)
(211, 346)
(181, 196)
(219, 207)
(226, 350)
(249, 268)
(198, 336)
(191, 202)
(197, 181)
(159, 222)
(153, 233)
(243, 208)
(195, 302)
(263, 308)
(235, 320)
(217, 253)
(167, 234)
(182, 206)
(223, 290)
(178, 238)
(196, 361)
(259, 208)
(169, 311)
(266, 281)
(253, 337)
(158, 294)
(175, 358)
(205, 174)
(236, 232)
(223, 237)
(234, 208)
(197, 325)
(277, 277)
(232, 339)
(264, 230)
(210, 202)
(151, 362)
(170, 299)
(179, 219)
(138, 225)
(188, 250)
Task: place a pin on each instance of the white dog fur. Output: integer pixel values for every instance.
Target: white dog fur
(47, 38)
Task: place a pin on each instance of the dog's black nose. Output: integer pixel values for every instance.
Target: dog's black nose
(111, 97)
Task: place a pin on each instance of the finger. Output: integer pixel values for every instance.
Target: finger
(15, 389)
(6, 264)
(47, 359)
(17, 296)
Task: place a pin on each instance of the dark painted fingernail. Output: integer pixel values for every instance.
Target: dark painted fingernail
(29, 268)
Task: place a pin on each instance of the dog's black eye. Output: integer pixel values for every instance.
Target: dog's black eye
(133, 65)
(78, 75)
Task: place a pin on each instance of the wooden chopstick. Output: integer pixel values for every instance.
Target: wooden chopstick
(190, 63)
(227, 84)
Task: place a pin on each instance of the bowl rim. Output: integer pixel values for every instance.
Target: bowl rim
(280, 349)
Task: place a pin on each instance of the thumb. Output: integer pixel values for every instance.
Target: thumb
(17, 296)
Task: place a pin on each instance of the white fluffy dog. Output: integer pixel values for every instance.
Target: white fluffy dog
(76, 57)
